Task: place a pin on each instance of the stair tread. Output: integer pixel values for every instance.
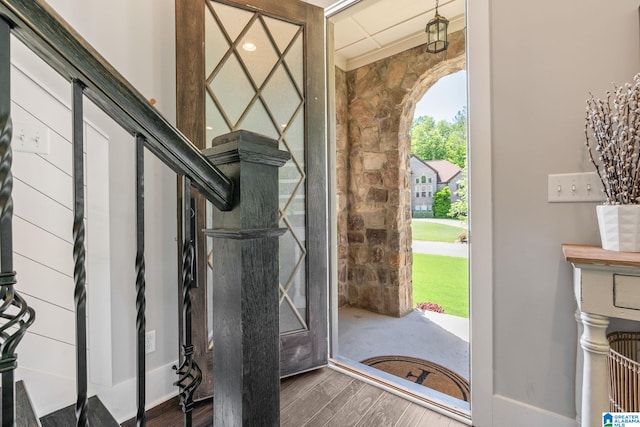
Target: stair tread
(25, 413)
(98, 416)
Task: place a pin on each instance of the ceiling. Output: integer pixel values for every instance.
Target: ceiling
(369, 30)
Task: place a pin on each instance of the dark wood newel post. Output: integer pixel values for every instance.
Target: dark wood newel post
(246, 353)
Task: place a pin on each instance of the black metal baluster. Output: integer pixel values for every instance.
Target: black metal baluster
(21, 316)
(79, 255)
(6, 228)
(140, 281)
(189, 372)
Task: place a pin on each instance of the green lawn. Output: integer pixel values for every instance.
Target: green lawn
(442, 280)
(423, 230)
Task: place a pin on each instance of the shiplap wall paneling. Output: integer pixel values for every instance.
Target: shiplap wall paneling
(43, 246)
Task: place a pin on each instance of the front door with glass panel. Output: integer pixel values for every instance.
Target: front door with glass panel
(264, 72)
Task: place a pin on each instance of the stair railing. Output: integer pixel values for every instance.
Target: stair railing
(44, 32)
(13, 309)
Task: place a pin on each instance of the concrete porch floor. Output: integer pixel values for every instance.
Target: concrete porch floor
(439, 338)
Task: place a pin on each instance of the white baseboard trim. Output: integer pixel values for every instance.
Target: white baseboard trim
(121, 398)
(508, 413)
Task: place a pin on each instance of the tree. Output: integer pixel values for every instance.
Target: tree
(459, 209)
(442, 203)
(441, 140)
(427, 141)
(457, 140)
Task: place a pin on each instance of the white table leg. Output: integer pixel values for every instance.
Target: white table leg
(595, 348)
(579, 370)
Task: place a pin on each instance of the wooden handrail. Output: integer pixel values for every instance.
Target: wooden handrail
(37, 25)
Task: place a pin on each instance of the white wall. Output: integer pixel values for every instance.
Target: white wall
(530, 78)
(43, 243)
(137, 38)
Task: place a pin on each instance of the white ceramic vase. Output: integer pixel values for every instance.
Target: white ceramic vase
(619, 227)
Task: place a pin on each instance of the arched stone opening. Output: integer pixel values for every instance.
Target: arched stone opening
(427, 80)
(375, 106)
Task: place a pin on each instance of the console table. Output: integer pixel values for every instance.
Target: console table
(606, 284)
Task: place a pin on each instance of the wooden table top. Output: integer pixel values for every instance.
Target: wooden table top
(586, 254)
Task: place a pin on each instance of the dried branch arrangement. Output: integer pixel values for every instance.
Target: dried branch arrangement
(614, 124)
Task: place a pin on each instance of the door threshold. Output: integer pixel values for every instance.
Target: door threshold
(431, 399)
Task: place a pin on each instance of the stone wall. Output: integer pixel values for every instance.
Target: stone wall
(342, 183)
(374, 225)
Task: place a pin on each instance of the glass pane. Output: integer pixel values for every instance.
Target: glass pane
(294, 139)
(290, 179)
(257, 52)
(214, 43)
(291, 191)
(281, 31)
(233, 89)
(215, 124)
(288, 319)
(298, 294)
(294, 61)
(291, 251)
(296, 212)
(281, 96)
(233, 18)
(296, 284)
(259, 121)
(293, 243)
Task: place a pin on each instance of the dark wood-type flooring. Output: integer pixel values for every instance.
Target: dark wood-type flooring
(321, 398)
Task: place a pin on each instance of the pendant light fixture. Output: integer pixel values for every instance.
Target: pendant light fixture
(437, 33)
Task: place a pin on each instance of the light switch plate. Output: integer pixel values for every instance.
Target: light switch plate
(575, 187)
(30, 138)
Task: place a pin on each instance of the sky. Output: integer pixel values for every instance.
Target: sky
(445, 98)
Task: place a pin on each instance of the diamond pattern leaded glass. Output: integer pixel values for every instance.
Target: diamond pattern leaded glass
(235, 19)
(261, 61)
(215, 41)
(261, 122)
(254, 76)
(282, 32)
(231, 90)
(216, 124)
(280, 92)
(294, 59)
